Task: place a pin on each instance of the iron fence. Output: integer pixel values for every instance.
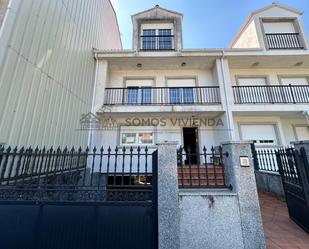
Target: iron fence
(75, 174)
(162, 96)
(283, 41)
(271, 94)
(287, 164)
(266, 158)
(201, 169)
(157, 42)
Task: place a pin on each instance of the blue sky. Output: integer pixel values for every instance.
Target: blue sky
(207, 23)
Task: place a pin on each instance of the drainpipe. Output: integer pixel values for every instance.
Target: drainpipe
(228, 117)
(93, 94)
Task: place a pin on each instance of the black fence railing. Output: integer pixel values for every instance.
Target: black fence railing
(271, 94)
(75, 174)
(294, 170)
(157, 42)
(162, 96)
(286, 158)
(266, 158)
(201, 169)
(283, 41)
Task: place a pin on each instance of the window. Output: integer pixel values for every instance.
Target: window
(132, 95)
(174, 95)
(137, 138)
(137, 95)
(181, 95)
(165, 39)
(149, 39)
(157, 39)
(145, 138)
(128, 138)
(146, 95)
(281, 35)
(188, 95)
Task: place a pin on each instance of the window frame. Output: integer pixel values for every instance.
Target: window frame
(137, 134)
(156, 40)
(142, 95)
(294, 20)
(182, 95)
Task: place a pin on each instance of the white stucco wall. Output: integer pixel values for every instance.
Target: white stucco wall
(204, 77)
(272, 74)
(284, 125)
(169, 129)
(249, 38)
(47, 68)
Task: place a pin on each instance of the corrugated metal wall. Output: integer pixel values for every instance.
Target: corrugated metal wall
(47, 68)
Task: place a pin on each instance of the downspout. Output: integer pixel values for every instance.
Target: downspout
(230, 131)
(93, 94)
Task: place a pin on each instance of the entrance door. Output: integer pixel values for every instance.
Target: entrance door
(190, 140)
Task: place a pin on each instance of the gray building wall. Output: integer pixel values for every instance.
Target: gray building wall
(47, 68)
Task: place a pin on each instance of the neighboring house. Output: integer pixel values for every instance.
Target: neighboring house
(258, 88)
(47, 68)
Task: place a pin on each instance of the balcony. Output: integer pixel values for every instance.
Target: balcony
(162, 96)
(271, 94)
(157, 42)
(283, 41)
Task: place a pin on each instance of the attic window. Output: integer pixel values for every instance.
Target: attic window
(157, 39)
(281, 35)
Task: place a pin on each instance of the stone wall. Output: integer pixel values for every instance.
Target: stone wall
(269, 182)
(209, 219)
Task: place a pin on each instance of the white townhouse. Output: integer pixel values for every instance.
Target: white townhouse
(256, 89)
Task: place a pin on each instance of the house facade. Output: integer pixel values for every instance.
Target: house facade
(257, 89)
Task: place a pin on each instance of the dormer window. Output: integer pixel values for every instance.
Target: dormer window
(157, 29)
(157, 39)
(281, 35)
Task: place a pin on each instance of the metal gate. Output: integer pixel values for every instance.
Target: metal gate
(54, 199)
(294, 170)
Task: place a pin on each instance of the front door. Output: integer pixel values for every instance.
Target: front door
(190, 142)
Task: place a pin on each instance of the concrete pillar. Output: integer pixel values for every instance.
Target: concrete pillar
(241, 177)
(101, 78)
(226, 93)
(168, 206)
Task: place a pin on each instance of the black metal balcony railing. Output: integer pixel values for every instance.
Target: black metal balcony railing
(157, 42)
(291, 94)
(284, 41)
(162, 96)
